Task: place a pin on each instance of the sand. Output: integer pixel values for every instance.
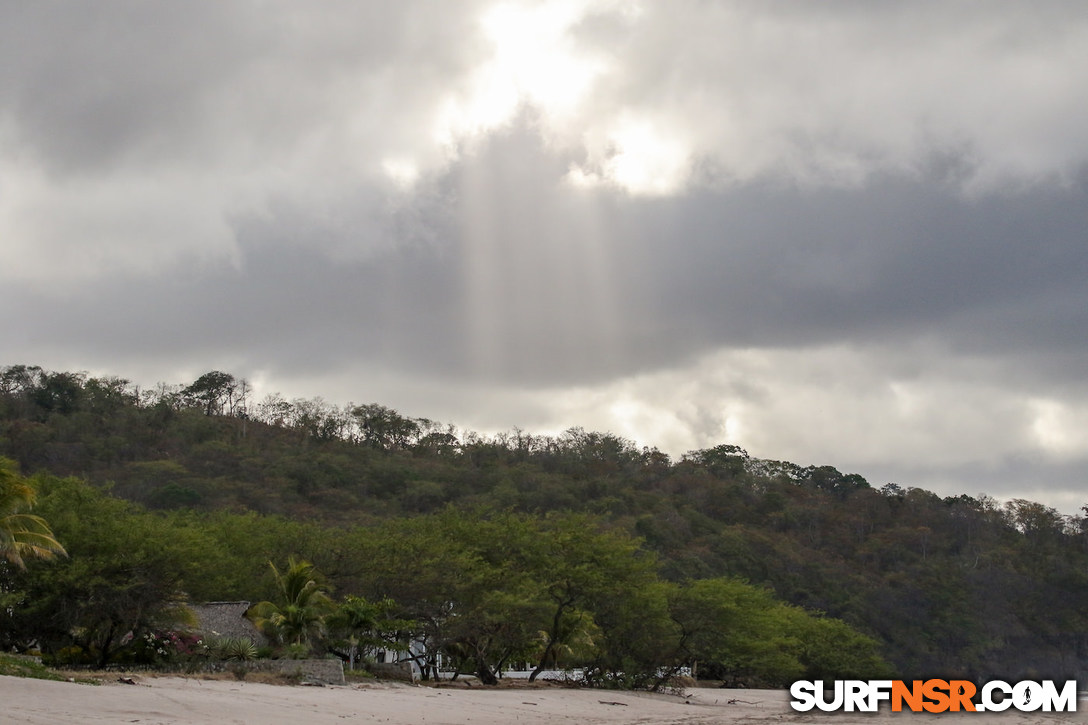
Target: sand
(169, 700)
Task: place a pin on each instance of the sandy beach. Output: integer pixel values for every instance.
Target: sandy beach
(170, 700)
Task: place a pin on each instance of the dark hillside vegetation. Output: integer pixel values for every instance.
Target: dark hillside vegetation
(961, 585)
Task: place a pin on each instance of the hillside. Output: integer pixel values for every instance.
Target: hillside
(947, 586)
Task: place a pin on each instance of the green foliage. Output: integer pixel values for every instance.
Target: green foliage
(297, 617)
(488, 588)
(358, 625)
(829, 649)
(741, 632)
(737, 629)
(22, 535)
(214, 392)
(446, 573)
(234, 649)
(123, 575)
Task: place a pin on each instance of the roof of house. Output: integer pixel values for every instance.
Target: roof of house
(226, 619)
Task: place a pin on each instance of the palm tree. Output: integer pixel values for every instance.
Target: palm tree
(355, 621)
(300, 613)
(22, 535)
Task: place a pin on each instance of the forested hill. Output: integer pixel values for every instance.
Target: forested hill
(956, 585)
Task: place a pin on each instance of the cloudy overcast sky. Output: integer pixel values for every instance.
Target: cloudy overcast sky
(842, 233)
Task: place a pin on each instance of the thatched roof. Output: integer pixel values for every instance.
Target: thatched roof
(226, 619)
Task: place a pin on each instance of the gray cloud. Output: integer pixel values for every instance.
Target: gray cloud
(848, 234)
(123, 84)
(560, 289)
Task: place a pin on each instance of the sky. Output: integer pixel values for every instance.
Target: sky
(838, 233)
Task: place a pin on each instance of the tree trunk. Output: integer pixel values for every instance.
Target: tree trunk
(485, 674)
(104, 653)
(543, 658)
(483, 670)
(553, 638)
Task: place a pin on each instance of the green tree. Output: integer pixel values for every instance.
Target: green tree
(299, 615)
(581, 567)
(574, 641)
(215, 393)
(637, 642)
(830, 649)
(124, 575)
(234, 562)
(358, 624)
(384, 427)
(460, 577)
(736, 630)
(490, 588)
(22, 535)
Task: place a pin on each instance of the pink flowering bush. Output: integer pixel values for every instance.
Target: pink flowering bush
(168, 648)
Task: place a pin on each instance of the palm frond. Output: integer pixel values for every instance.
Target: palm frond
(22, 535)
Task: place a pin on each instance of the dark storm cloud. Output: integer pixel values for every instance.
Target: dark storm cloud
(756, 266)
(783, 266)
